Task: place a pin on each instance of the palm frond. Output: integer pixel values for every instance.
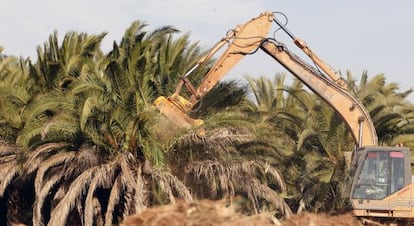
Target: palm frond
(114, 198)
(37, 156)
(238, 176)
(8, 172)
(61, 212)
(171, 185)
(41, 194)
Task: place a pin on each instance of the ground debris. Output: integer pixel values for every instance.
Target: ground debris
(321, 219)
(219, 213)
(200, 213)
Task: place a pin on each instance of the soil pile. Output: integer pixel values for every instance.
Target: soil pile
(213, 213)
(200, 213)
(311, 219)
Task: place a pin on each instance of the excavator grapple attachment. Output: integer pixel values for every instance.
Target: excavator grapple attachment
(240, 41)
(172, 108)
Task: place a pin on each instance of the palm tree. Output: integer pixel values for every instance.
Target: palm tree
(111, 188)
(58, 65)
(312, 142)
(216, 165)
(15, 93)
(321, 137)
(97, 109)
(391, 112)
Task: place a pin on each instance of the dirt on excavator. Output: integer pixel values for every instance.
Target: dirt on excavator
(210, 213)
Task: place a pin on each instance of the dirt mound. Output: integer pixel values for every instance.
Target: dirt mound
(201, 213)
(311, 219)
(213, 213)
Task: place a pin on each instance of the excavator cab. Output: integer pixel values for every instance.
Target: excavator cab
(382, 180)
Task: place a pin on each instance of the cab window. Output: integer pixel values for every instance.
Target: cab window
(381, 175)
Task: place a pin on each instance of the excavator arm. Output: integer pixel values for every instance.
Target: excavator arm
(249, 37)
(334, 92)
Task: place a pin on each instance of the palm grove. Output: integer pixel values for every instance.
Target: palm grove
(82, 144)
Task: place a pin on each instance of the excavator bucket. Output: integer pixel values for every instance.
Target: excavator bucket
(172, 110)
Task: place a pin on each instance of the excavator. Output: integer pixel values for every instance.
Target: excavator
(382, 186)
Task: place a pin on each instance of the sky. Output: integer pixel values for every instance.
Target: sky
(354, 35)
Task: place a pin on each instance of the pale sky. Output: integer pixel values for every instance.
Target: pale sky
(355, 35)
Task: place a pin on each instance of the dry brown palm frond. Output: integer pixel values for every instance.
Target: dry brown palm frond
(140, 192)
(208, 171)
(42, 188)
(171, 185)
(86, 158)
(89, 212)
(103, 178)
(238, 176)
(7, 148)
(46, 165)
(41, 195)
(223, 176)
(127, 201)
(8, 172)
(267, 169)
(128, 185)
(127, 161)
(41, 153)
(75, 192)
(8, 165)
(79, 209)
(219, 144)
(8, 158)
(98, 220)
(60, 213)
(190, 139)
(113, 199)
(59, 194)
(255, 189)
(232, 136)
(8, 152)
(221, 138)
(119, 187)
(226, 173)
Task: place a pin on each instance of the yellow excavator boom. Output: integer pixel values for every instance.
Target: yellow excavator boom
(247, 38)
(240, 41)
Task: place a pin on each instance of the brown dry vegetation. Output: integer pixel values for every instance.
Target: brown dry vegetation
(209, 213)
(201, 213)
(311, 219)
